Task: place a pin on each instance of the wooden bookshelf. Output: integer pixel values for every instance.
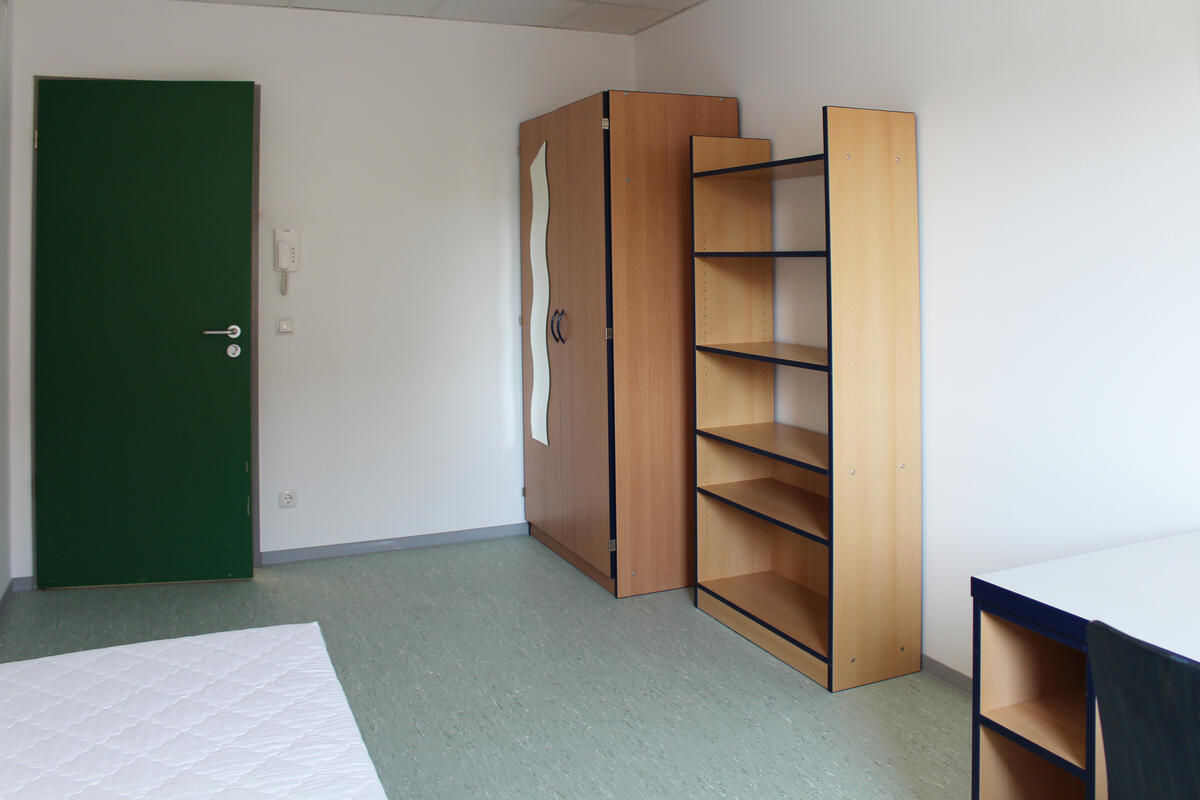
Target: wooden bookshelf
(782, 426)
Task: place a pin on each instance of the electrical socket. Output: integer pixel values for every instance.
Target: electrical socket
(288, 498)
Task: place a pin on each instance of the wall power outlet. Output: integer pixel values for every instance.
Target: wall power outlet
(288, 498)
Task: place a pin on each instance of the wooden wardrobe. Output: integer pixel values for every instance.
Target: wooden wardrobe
(606, 314)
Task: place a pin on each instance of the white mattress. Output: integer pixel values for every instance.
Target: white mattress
(241, 715)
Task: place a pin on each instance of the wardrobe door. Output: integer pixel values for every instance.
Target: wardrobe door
(576, 248)
(540, 361)
(654, 361)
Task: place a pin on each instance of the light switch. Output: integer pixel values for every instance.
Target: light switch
(285, 325)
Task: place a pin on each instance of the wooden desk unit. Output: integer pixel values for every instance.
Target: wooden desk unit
(1036, 730)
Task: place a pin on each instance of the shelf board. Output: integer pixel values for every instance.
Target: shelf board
(779, 503)
(798, 613)
(784, 169)
(798, 446)
(1056, 722)
(788, 355)
(761, 254)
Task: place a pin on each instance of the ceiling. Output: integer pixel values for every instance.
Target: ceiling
(601, 16)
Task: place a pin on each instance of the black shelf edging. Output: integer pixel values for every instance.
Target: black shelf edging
(787, 162)
(764, 623)
(760, 254)
(1053, 623)
(765, 517)
(786, 362)
(1029, 744)
(768, 453)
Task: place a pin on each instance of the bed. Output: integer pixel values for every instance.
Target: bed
(240, 715)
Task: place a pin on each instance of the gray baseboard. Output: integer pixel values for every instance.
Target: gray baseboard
(402, 543)
(946, 674)
(23, 584)
(15, 585)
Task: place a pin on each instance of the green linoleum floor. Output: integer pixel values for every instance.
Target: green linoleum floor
(495, 670)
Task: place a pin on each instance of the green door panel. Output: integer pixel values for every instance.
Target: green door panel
(143, 238)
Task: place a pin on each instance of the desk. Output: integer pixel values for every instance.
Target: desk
(1036, 731)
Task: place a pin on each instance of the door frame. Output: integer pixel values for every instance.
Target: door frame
(255, 494)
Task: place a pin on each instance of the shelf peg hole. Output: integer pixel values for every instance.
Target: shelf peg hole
(852, 660)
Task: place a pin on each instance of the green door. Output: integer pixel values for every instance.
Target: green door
(143, 234)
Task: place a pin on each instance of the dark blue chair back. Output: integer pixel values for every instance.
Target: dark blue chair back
(1149, 701)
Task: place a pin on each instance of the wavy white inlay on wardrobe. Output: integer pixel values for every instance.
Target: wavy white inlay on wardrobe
(539, 401)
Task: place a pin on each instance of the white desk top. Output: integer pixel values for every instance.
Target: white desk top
(1150, 590)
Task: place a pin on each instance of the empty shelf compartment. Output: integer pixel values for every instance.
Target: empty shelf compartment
(798, 446)
(777, 502)
(798, 613)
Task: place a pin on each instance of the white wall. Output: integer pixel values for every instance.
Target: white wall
(1058, 166)
(1060, 252)
(5, 186)
(391, 143)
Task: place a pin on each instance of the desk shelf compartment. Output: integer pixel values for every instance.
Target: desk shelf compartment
(1033, 691)
(1008, 771)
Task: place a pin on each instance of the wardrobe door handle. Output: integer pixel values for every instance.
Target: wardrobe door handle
(561, 316)
(553, 319)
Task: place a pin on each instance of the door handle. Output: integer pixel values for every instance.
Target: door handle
(233, 331)
(561, 316)
(553, 319)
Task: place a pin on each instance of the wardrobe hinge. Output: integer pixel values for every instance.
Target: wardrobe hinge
(35, 138)
(522, 491)
(520, 322)
(604, 123)
(608, 333)
(612, 545)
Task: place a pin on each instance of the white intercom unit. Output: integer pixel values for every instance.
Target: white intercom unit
(287, 254)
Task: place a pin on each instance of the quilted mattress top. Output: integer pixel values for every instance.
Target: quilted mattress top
(241, 715)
